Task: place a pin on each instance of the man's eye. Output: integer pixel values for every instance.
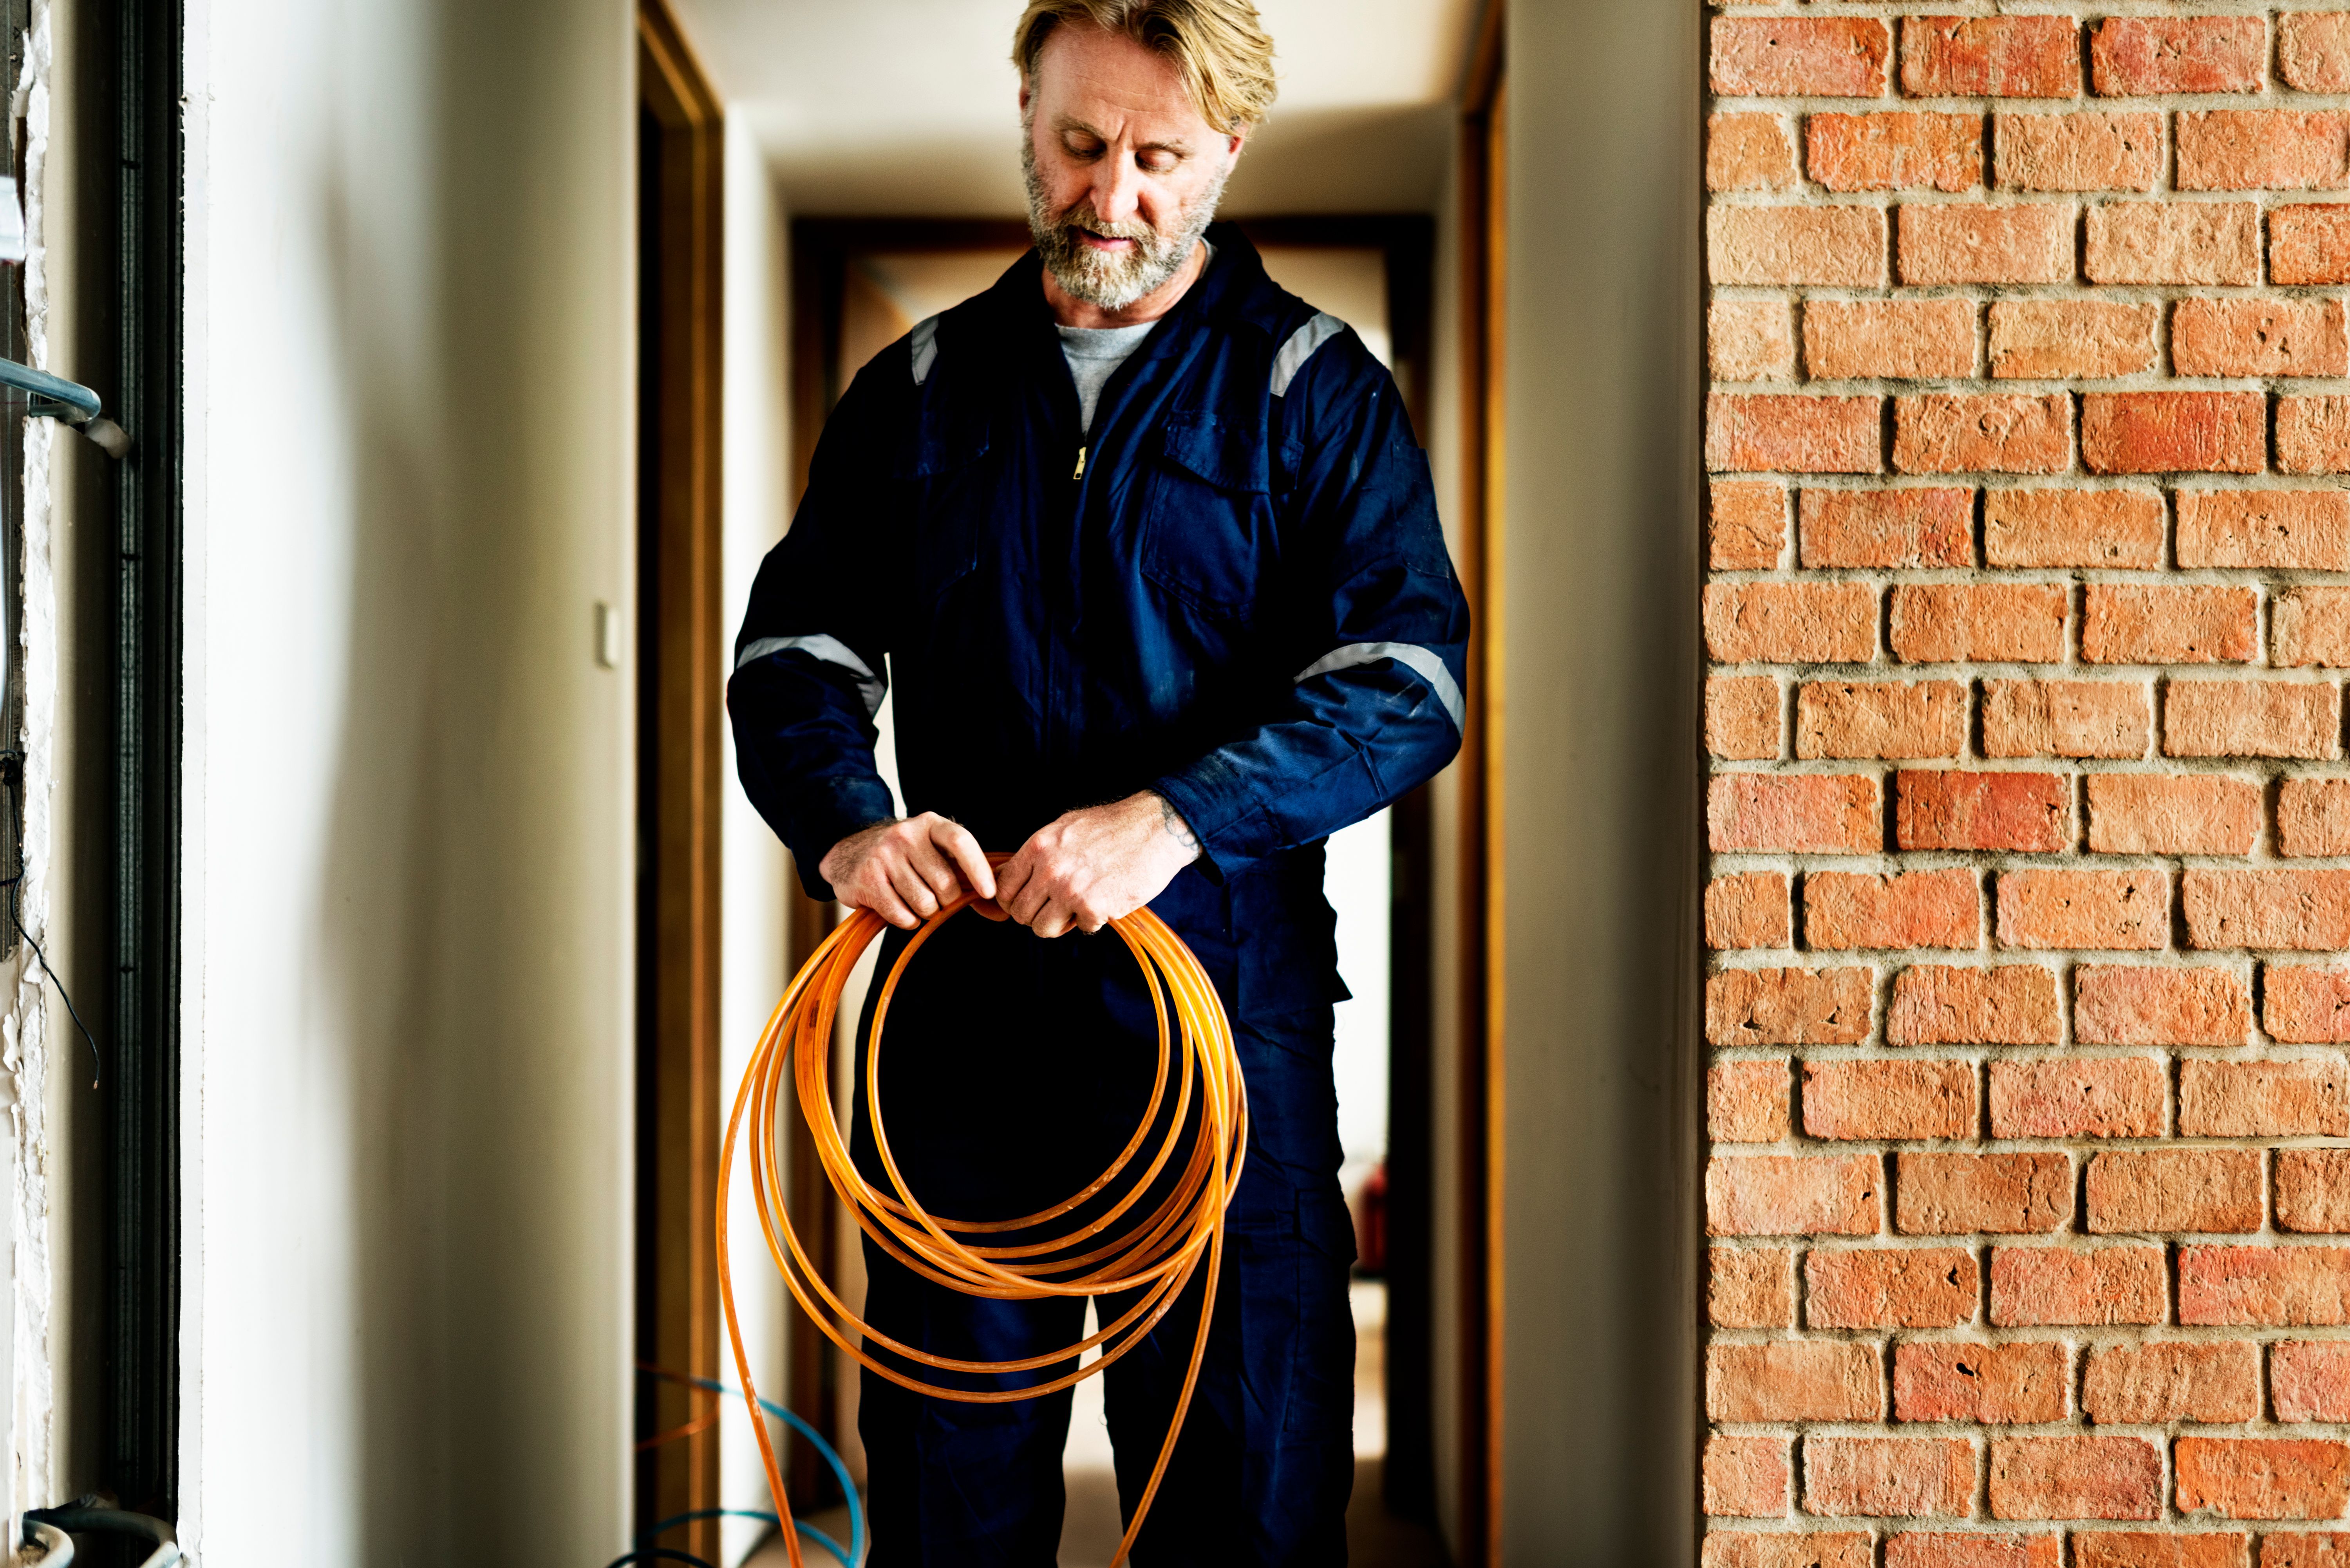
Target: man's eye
(1084, 150)
(1155, 162)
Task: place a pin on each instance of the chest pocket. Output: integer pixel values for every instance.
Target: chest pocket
(940, 463)
(1207, 534)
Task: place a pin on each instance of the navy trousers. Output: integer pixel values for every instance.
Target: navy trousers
(1001, 1109)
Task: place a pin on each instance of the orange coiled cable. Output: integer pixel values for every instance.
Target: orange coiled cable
(1156, 1253)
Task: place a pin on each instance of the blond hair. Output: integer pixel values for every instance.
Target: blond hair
(1224, 56)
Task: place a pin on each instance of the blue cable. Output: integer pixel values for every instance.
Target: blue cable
(848, 1559)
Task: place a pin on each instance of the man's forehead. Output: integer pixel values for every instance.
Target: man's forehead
(1108, 84)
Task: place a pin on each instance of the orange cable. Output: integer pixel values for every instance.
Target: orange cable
(1157, 1253)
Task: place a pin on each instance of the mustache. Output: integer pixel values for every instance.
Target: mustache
(1081, 218)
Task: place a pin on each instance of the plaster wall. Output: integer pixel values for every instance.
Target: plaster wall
(410, 382)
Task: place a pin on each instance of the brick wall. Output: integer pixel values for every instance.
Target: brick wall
(2029, 1194)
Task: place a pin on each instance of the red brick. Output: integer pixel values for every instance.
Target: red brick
(1741, 716)
(1941, 1005)
(1777, 1549)
(1920, 910)
(2261, 150)
(2280, 1287)
(1956, 1380)
(1746, 1477)
(1752, 1287)
(1927, 1549)
(2295, 910)
(1748, 910)
(1749, 153)
(2304, 529)
(2142, 1549)
(1889, 1478)
(1751, 340)
(2314, 1549)
(1776, 434)
(2313, 1192)
(1880, 719)
(1943, 623)
(2145, 1004)
(2162, 242)
(1746, 1102)
(2058, 1287)
(1894, 152)
(2252, 719)
(2310, 243)
(2312, 435)
(2263, 1478)
(1788, 1007)
(2078, 1096)
(2189, 814)
(1949, 809)
(1994, 432)
(1961, 1194)
(2310, 627)
(1991, 57)
(2301, 1005)
(1839, 247)
(2142, 56)
(1960, 242)
(2258, 337)
(2065, 719)
(1787, 1195)
(2112, 529)
(2201, 1190)
(2075, 1478)
(2133, 625)
(1791, 623)
(2309, 1097)
(1887, 528)
(1902, 339)
(2174, 433)
(1821, 814)
(2077, 152)
(1912, 1287)
(1750, 523)
(2313, 50)
(2046, 339)
(1792, 1380)
(2310, 1381)
(1889, 1100)
(1783, 57)
(2154, 1384)
(2083, 908)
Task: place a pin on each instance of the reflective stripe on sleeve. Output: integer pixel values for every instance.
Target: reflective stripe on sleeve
(1300, 348)
(926, 347)
(1411, 656)
(830, 650)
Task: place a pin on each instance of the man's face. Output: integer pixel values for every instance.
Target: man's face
(1123, 171)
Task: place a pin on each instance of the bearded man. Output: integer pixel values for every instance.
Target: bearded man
(1152, 556)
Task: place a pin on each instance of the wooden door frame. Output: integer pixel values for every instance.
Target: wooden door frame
(1483, 257)
(680, 641)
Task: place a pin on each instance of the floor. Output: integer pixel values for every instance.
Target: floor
(1090, 1529)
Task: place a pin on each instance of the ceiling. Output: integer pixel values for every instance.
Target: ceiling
(907, 106)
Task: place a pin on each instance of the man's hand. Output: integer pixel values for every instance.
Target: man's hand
(906, 871)
(1090, 867)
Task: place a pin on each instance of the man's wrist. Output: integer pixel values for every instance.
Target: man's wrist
(1171, 824)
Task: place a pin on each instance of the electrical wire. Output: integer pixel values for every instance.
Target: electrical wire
(12, 767)
(854, 1554)
(1155, 1255)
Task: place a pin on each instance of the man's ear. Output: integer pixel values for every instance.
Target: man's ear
(1025, 93)
(1233, 142)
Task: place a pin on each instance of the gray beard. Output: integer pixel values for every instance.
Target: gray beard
(1111, 282)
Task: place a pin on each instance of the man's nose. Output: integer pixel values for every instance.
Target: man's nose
(1117, 188)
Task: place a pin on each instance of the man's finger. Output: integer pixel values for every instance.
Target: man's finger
(969, 857)
(935, 869)
(1052, 921)
(887, 905)
(910, 886)
(1030, 902)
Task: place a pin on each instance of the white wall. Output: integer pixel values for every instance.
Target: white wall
(407, 987)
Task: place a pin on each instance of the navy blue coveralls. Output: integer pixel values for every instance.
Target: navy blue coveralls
(1233, 592)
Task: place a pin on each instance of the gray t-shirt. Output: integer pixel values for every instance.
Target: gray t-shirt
(1094, 354)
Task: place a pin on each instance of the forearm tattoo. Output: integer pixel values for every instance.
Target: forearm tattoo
(1173, 820)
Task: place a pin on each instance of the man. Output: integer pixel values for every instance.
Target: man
(1152, 555)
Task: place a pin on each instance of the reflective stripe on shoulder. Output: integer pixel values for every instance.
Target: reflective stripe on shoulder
(1300, 348)
(829, 650)
(1410, 654)
(926, 347)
